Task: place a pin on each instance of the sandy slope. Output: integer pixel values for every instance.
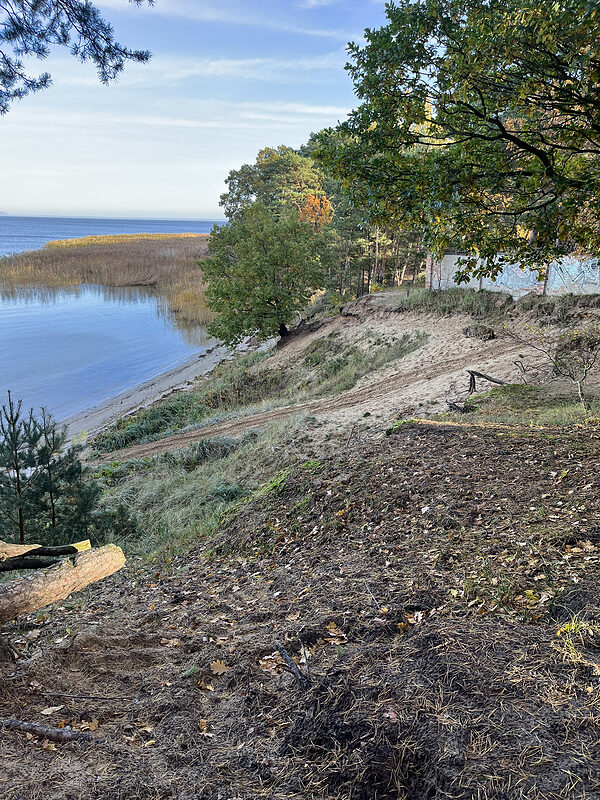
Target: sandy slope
(421, 382)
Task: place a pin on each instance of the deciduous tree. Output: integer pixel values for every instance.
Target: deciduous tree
(479, 124)
(262, 271)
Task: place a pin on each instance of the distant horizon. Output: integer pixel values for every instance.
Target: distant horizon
(137, 218)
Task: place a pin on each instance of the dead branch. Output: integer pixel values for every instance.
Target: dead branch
(46, 732)
(52, 585)
(8, 550)
(302, 679)
(474, 375)
(12, 564)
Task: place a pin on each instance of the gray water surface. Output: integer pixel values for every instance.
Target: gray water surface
(70, 349)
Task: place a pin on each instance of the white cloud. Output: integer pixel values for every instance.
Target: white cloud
(232, 14)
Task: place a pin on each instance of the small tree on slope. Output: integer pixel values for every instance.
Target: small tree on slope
(262, 271)
(44, 495)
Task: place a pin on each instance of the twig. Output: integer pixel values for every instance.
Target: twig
(351, 434)
(303, 680)
(88, 697)
(44, 732)
(305, 654)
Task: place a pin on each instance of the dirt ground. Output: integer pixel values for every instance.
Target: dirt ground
(435, 589)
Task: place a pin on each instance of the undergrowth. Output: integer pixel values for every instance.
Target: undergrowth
(180, 497)
(527, 405)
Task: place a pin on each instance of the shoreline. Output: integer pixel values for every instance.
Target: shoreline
(92, 421)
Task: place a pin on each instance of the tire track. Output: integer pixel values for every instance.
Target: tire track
(322, 406)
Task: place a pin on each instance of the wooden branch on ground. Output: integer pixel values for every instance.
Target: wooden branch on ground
(12, 564)
(302, 679)
(474, 374)
(46, 732)
(52, 585)
(8, 550)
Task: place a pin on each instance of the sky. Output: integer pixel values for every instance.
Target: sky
(227, 78)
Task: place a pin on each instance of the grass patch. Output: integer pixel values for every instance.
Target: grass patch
(527, 405)
(456, 301)
(328, 366)
(181, 497)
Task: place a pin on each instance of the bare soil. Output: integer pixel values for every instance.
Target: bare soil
(425, 584)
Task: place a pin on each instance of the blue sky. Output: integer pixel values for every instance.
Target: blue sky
(227, 78)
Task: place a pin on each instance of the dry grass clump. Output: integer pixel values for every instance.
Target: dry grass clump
(168, 262)
(120, 238)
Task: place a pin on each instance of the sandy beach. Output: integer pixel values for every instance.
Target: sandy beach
(87, 423)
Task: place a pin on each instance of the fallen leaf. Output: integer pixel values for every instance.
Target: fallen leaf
(218, 667)
(51, 710)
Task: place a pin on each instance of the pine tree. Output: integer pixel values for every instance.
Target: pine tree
(19, 438)
(45, 495)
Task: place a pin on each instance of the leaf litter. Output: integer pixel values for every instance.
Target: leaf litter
(437, 588)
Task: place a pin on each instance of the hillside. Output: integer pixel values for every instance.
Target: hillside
(432, 585)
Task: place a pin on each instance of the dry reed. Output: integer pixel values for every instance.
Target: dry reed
(167, 262)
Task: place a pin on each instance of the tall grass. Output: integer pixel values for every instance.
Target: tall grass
(179, 498)
(455, 301)
(166, 262)
(527, 405)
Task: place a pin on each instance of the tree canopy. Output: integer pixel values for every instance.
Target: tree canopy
(479, 124)
(262, 270)
(279, 177)
(32, 27)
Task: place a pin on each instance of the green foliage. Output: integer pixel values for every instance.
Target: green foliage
(45, 495)
(262, 272)
(478, 125)
(278, 179)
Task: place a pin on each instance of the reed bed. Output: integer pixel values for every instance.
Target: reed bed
(166, 262)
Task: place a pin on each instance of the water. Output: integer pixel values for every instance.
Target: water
(70, 349)
(31, 233)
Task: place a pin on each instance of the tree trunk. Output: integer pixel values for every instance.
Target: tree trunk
(582, 398)
(50, 586)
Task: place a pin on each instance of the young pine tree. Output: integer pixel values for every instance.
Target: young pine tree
(19, 439)
(44, 494)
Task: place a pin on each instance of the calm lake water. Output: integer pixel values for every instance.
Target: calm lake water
(70, 349)
(31, 233)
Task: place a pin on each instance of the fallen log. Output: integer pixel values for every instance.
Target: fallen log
(52, 585)
(8, 550)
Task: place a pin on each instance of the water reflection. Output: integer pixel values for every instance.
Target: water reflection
(69, 348)
(194, 335)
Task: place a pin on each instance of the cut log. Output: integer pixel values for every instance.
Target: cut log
(8, 550)
(52, 585)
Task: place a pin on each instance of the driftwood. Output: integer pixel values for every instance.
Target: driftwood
(46, 732)
(52, 585)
